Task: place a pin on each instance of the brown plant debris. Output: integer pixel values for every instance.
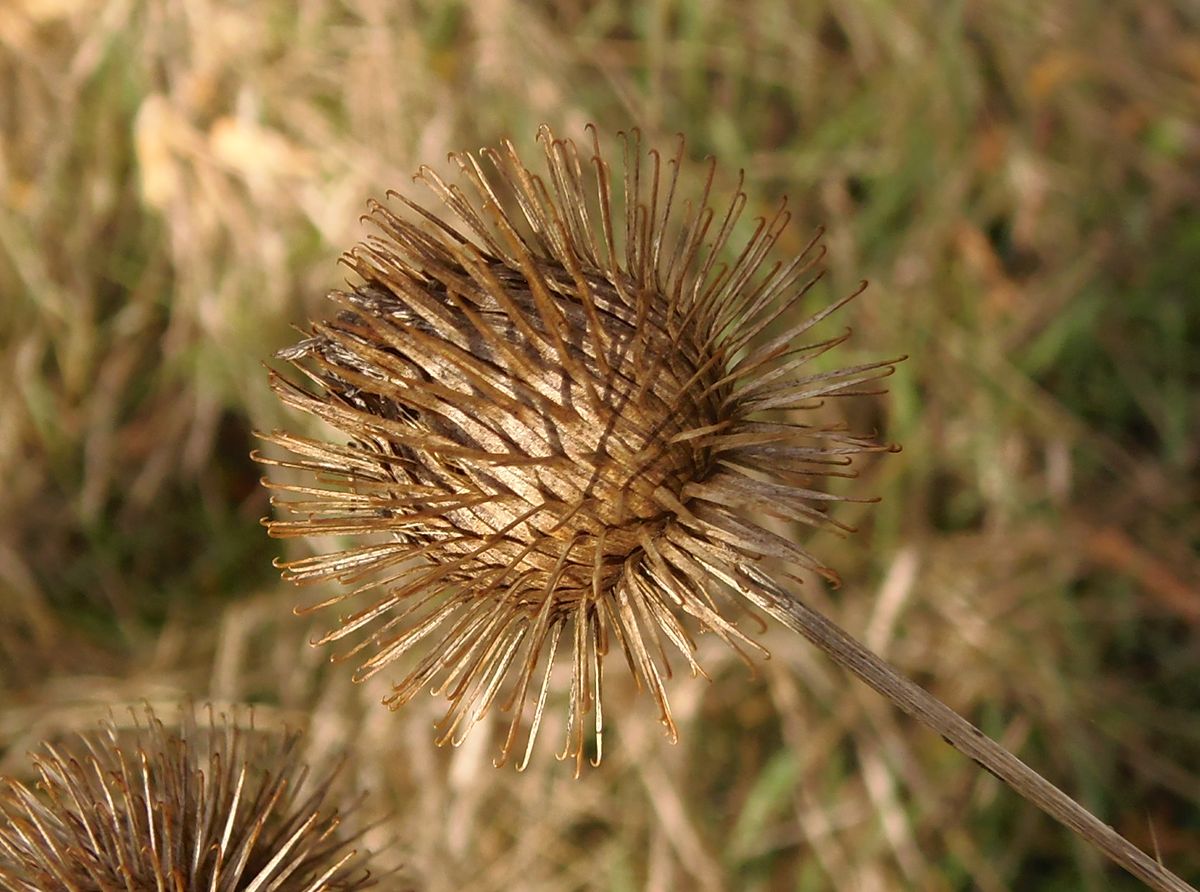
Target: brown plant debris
(205, 805)
(569, 413)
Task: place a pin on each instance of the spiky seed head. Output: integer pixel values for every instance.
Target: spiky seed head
(204, 805)
(569, 414)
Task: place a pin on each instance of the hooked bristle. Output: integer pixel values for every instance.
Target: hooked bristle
(558, 432)
(213, 806)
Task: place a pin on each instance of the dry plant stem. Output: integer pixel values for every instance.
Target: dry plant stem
(967, 739)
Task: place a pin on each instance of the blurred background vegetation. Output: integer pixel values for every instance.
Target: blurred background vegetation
(1019, 181)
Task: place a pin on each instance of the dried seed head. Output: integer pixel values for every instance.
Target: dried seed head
(203, 806)
(562, 434)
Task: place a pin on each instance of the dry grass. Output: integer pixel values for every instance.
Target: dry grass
(1020, 186)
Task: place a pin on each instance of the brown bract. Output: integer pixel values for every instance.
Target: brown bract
(569, 414)
(206, 806)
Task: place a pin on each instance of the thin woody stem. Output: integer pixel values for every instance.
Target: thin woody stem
(969, 740)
